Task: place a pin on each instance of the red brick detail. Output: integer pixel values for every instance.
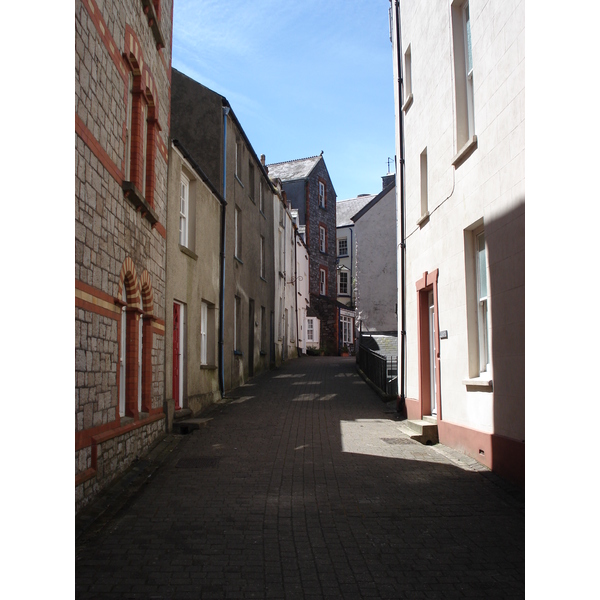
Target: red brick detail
(161, 229)
(85, 476)
(129, 280)
(90, 141)
(147, 293)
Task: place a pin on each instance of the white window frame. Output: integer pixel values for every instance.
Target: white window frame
(323, 282)
(310, 329)
(321, 194)
(322, 239)
(184, 210)
(203, 333)
(340, 291)
(347, 330)
(345, 241)
(424, 184)
(482, 302)
(466, 18)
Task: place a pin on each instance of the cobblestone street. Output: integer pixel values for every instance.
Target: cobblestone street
(302, 486)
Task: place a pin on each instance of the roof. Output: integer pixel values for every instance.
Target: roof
(374, 200)
(293, 169)
(346, 209)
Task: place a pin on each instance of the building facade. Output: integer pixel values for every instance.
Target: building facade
(309, 191)
(376, 262)
(122, 107)
(205, 124)
(460, 115)
(193, 286)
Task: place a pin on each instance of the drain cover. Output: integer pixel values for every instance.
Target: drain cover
(197, 462)
(396, 441)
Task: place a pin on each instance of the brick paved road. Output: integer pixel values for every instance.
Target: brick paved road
(303, 487)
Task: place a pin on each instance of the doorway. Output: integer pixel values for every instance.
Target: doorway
(251, 338)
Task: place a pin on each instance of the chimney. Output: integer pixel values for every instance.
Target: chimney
(387, 179)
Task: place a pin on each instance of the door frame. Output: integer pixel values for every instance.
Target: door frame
(426, 285)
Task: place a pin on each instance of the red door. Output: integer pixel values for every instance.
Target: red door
(176, 353)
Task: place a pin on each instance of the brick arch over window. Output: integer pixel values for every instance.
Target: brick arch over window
(148, 340)
(128, 279)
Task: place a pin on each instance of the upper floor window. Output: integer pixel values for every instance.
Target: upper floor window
(463, 80)
(482, 302)
(237, 233)
(408, 97)
(184, 203)
(323, 282)
(251, 180)
(321, 194)
(261, 197)
(262, 257)
(343, 283)
(322, 239)
(238, 160)
(343, 247)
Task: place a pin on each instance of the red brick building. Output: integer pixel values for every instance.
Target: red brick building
(122, 107)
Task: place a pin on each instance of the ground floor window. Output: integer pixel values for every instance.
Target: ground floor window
(347, 327)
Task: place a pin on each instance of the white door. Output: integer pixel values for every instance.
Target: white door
(432, 363)
(122, 361)
(140, 346)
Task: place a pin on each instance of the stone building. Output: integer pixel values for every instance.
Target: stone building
(308, 188)
(122, 90)
(207, 127)
(459, 73)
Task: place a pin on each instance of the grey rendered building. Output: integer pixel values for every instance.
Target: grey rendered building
(204, 123)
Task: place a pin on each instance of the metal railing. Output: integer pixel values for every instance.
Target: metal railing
(381, 370)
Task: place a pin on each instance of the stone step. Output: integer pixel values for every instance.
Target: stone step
(420, 430)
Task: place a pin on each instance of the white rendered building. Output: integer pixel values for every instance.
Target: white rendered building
(460, 128)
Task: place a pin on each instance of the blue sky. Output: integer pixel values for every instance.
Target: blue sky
(302, 77)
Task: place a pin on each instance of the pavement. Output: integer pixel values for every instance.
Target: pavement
(300, 485)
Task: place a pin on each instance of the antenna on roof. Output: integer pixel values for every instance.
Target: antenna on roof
(388, 167)
(321, 153)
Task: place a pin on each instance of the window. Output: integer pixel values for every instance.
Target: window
(261, 197)
(310, 332)
(463, 78)
(347, 337)
(184, 199)
(321, 194)
(477, 301)
(343, 283)
(203, 333)
(424, 188)
(281, 215)
(237, 319)
(343, 247)
(263, 329)
(238, 233)
(323, 282)
(280, 325)
(482, 302)
(238, 160)
(408, 97)
(251, 181)
(322, 239)
(262, 257)
(128, 132)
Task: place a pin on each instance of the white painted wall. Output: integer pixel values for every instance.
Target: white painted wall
(489, 186)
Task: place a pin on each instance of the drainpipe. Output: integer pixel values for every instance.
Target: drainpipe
(400, 403)
(223, 231)
(296, 288)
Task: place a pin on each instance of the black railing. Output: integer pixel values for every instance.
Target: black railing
(381, 370)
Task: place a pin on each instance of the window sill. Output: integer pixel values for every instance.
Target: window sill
(238, 353)
(343, 255)
(263, 279)
(137, 199)
(262, 213)
(423, 220)
(263, 353)
(239, 260)
(153, 22)
(483, 383)
(239, 180)
(208, 367)
(408, 103)
(465, 152)
(187, 251)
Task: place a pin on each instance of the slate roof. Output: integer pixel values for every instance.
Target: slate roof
(387, 345)
(346, 209)
(293, 169)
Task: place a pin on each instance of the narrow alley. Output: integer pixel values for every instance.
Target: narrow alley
(301, 485)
